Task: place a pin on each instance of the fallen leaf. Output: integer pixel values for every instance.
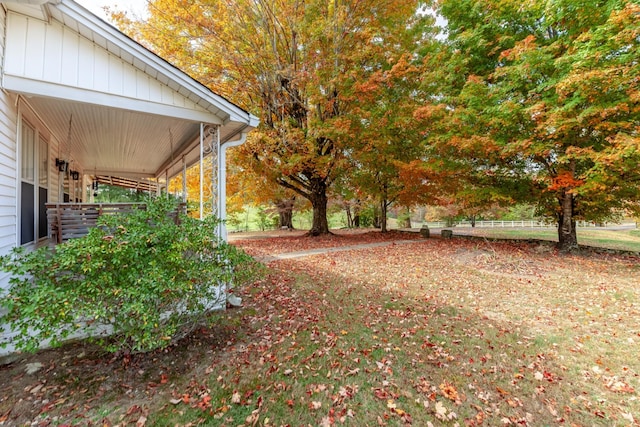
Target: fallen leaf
(450, 392)
(441, 411)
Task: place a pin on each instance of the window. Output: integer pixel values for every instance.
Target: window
(43, 187)
(34, 184)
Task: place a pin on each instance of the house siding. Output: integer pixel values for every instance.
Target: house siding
(8, 161)
(61, 56)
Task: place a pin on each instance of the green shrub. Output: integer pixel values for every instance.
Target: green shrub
(146, 278)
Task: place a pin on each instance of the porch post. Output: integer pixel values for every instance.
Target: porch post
(201, 171)
(215, 174)
(166, 182)
(184, 180)
(210, 145)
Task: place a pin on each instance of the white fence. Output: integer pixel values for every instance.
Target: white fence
(513, 224)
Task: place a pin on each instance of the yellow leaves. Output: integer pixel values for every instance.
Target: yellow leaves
(393, 407)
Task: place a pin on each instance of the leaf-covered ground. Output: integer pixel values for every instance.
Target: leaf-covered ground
(434, 332)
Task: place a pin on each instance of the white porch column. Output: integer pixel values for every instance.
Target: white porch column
(201, 171)
(184, 180)
(222, 184)
(210, 145)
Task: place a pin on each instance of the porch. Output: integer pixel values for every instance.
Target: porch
(92, 107)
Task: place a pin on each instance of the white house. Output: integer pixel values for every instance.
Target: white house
(80, 96)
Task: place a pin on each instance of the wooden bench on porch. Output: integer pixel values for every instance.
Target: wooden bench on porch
(72, 220)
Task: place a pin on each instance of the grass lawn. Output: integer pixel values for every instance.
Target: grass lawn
(627, 240)
(436, 332)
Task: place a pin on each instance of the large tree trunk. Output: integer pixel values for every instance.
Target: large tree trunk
(316, 193)
(383, 216)
(567, 237)
(286, 219)
(407, 221)
(356, 214)
(285, 212)
(320, 225)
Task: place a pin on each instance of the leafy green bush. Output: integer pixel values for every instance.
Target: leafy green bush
(137, 282)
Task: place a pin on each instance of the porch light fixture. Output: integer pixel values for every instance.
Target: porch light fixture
(62, 165)
(94, 185)
(75, 175)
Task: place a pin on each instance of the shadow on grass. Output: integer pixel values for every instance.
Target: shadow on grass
(363, 338)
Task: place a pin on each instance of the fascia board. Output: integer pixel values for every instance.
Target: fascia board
(29, 87)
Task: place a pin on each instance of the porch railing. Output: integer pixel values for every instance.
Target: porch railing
(72, 220)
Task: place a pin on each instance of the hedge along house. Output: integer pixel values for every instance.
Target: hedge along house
(82, 102)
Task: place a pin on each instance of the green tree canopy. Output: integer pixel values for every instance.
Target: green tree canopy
(546, 96)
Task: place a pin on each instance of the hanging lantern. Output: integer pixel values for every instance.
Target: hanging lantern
(62, 165)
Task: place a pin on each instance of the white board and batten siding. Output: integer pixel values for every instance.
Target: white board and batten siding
(8, 159)
(11, 107)
(53, 54)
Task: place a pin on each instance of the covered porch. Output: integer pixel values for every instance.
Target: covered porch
(104, 109)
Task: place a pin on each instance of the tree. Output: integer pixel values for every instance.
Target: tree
(387, 138)
(291, 62)
(548, 97)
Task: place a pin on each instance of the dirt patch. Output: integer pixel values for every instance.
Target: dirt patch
(78, 384)
(521, 259)
(280, 242)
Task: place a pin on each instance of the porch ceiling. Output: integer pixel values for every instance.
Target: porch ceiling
(107, 140)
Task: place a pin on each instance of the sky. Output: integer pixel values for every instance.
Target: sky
(137, 7)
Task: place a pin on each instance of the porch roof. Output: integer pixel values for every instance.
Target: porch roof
(121, 134)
